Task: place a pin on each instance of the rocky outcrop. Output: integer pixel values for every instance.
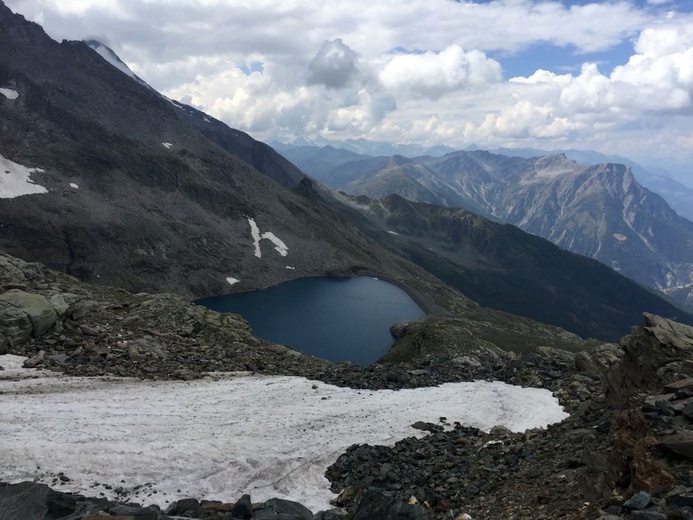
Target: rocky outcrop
(655, 354)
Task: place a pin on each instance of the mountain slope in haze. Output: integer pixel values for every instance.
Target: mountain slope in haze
(598, 211)
(323, 162)
(503, 267)
(678, 196)
(132, 194)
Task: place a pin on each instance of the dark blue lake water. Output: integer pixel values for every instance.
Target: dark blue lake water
(340, 319)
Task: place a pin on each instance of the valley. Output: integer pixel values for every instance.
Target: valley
(523, 381)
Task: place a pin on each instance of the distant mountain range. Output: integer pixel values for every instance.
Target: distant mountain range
(318, 156)
(599, 211)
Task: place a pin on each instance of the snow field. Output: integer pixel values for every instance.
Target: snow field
(225, 435)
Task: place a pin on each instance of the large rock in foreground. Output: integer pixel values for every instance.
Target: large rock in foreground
(656, 354)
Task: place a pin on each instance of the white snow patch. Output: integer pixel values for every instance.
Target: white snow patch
(289, 267)
(393, 233)
(224, 436)
(73, 185)
(279, 246)
(167, 145)
(206, 120)
(620, 237)
(9, 93)
(232, 281)
(15, 180)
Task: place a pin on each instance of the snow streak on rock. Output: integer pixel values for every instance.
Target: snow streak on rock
(15, 180)
(9, 93)
(232, 281)
(279, 246)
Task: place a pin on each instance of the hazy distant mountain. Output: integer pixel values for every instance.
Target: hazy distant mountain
(323, 162)
(500, 266)
(365, 147)
(598, 211)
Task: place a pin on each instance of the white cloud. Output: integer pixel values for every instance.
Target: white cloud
(433, 74)
(415, 71)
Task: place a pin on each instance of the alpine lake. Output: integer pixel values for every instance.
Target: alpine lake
(339, 319)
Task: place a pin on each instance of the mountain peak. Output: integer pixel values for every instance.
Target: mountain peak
(111, 57)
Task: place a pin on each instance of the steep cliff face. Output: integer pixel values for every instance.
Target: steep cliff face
(602, 212)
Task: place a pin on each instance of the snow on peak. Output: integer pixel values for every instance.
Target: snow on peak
(111, 57)
(279, 246)
(15, 180)
(9, 93)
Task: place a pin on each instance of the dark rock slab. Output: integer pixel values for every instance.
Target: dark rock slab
(187, 507)
(377, 505)
(680, 443)
(242, 509)
(281, 509)
(31, 501)
(639, 500)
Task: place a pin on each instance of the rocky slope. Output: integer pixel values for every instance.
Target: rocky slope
(502, 267)
(625, 448)
(107, 180)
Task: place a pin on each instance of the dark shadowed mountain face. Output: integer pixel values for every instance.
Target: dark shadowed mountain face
(133, 190)
(599, 211)
(501, 266)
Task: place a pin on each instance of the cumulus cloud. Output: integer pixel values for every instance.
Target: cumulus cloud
(335, 65)
(448, 88)
(433, 74)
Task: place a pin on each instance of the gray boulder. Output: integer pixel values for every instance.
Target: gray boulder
(37, 307)
(14, 323)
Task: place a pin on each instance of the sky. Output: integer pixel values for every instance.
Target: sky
(613, 76)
